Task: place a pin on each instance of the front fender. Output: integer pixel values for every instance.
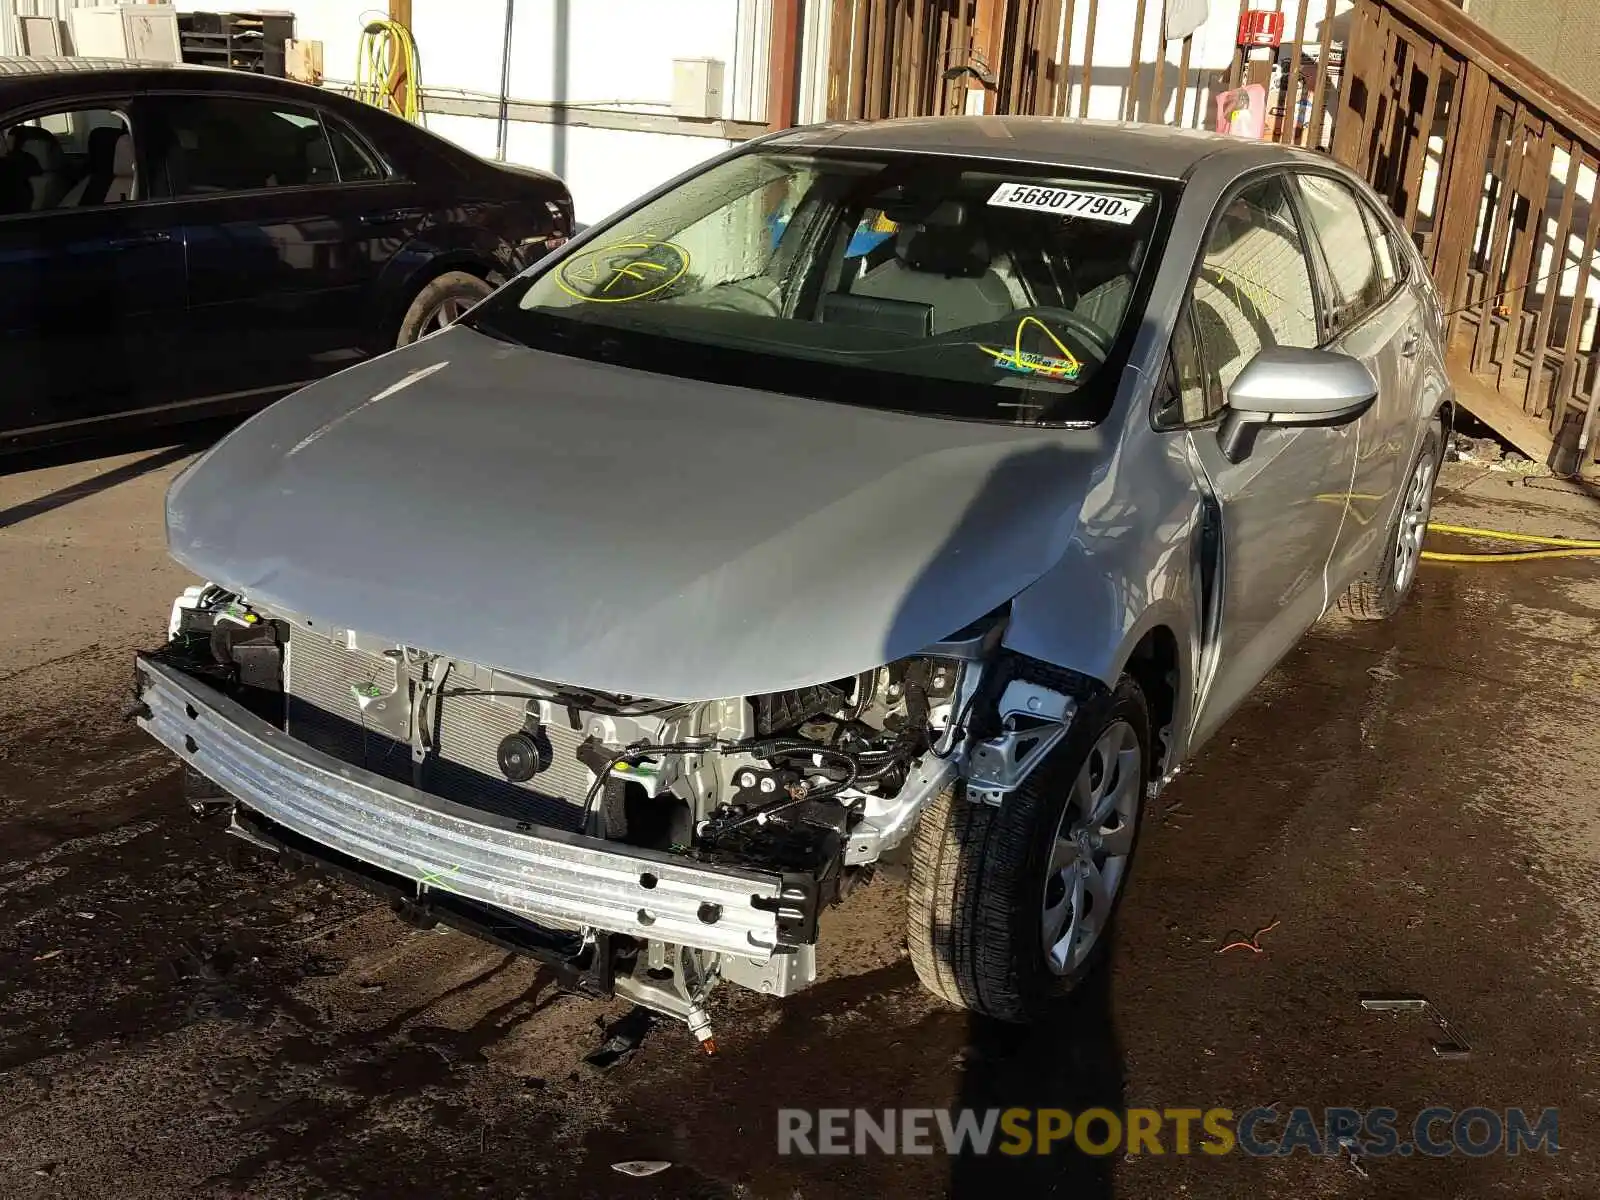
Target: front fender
(1130, 567)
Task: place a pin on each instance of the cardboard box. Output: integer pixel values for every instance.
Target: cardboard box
(302, 60)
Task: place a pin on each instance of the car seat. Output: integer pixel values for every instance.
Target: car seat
(15, 194)
(48, 179)
(318, 157)
(942, 260)
(111, 177)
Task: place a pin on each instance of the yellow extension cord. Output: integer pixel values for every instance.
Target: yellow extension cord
(1567, 547)
(387, 54)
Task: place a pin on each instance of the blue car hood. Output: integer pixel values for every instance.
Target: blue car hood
(625, 531)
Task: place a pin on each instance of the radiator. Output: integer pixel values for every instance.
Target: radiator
(319, 674)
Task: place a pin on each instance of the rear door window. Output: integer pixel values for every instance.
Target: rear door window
(1341, 227)
(356, 163)
(1390, 252)
(223, 144)
(77, 158)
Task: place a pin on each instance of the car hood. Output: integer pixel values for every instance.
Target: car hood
(619, 530)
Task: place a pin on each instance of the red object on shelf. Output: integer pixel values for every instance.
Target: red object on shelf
(1260, 27)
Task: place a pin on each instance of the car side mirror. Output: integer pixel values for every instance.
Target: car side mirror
(1285, 385)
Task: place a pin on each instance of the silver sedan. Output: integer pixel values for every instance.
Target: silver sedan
(943, 483)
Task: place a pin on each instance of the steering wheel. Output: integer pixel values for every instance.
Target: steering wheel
(1097, 338)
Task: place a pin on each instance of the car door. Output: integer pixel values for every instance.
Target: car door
(1371, 318)
(1276, 513)
(289, 218)
(91, 269)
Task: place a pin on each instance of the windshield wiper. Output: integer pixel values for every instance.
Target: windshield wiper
(479, 325)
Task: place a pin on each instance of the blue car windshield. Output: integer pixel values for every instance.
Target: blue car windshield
(953, 287)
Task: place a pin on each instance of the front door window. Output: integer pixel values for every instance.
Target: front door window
(1253, 290)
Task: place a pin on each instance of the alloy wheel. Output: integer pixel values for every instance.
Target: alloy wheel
(448, 311)
(1089, 856)
(1413, 523)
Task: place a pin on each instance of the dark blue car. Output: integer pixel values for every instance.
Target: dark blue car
(179, 242)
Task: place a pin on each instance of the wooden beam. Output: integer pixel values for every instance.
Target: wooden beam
(1319, 102)
(988, 43)
(783, 64)
(1362, 54)
(1515, 72)
(1552, 291)
(1088, 59)
(839, 61)
(1466, 156)
(400, 14)
(1505, 416)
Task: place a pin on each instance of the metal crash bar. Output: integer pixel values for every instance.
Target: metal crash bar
(544, 874)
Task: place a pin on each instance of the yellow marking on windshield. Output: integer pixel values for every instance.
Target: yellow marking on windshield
(588, 274)
(1018, 359)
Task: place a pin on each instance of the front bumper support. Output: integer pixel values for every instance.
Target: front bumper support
(548, 875)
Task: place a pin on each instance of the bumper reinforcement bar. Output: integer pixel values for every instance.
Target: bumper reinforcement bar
(547, 875)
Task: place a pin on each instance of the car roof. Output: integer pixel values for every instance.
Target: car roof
(23, 79)
(1153, 151)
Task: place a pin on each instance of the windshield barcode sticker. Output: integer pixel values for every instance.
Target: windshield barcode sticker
(1096, 206)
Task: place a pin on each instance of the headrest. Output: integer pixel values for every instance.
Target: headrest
(948, 252)
(103, 145)
(947, 214)
(942, 239)
(38, 145)
(122, 161)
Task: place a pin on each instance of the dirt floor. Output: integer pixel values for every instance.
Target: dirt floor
(1415, 803)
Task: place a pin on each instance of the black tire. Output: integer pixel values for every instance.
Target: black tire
(441, 302)
(979, 874)
(1378, 595)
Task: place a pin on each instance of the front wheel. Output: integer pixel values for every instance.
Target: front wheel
(1009, 907)
(1379, 594)
(440, 304)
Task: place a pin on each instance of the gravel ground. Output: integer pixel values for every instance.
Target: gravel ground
(1414, 803)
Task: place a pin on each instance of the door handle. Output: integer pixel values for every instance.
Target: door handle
(1412, 343)
(392, 216)
(154, 237)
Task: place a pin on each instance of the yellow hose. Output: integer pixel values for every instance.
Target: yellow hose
(1566, 547)
(386, 64)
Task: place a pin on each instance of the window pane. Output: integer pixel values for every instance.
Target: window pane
(356, 165)
(223, 145)
(1013, 282)
(1391, 264)
(1254, 286)
(1342, 230)
(73, 159)
(1187, 401)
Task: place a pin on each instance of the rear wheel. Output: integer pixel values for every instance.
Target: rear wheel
(1010, 907)
(440, 304)
(1379, 594)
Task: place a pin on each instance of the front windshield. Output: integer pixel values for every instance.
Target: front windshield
(947, 286)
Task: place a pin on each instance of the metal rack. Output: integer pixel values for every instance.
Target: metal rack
(244, 41)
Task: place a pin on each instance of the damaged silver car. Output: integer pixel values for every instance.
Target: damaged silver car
(928, 489)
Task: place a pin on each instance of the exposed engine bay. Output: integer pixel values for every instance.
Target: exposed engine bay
(812, 785)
